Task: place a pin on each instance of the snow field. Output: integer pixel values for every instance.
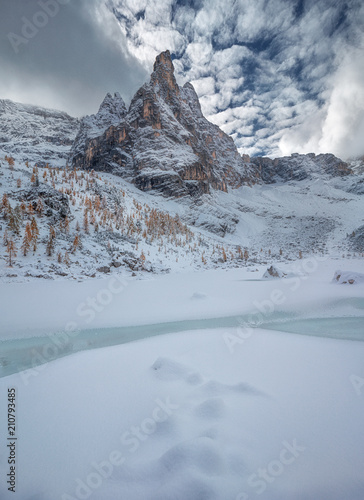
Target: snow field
(176, 416)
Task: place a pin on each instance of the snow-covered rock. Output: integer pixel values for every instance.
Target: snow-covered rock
(273, 272)
(348, 278)
(112, 110)
(298, 167)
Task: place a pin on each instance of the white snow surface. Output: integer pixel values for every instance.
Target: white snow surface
(214, 413)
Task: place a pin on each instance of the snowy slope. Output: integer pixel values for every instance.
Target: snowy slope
(132, 232)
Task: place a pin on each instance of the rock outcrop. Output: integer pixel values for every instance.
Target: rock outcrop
(163, 142)
(298, 167)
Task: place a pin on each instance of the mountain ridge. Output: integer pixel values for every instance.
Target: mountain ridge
(161, 142)
(36, 134)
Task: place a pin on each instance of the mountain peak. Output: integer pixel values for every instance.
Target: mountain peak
(113, 104)
(164, 60)
(163, 142)
(163, 78)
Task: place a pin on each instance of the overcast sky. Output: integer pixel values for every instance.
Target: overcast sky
(280, 76)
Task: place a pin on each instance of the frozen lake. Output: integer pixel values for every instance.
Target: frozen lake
(26, 353)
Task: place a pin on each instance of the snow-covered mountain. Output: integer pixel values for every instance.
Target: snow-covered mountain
(163, 142)
(156, 187)
(35, 134)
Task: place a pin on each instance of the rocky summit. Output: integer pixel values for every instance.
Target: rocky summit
(163, 142)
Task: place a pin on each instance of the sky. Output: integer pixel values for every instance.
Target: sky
(279, 76)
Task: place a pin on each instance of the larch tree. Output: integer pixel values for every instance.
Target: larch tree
(5, 202)
(76, 243)
(11, 251)
(26, 240)
(35, 233)
(67, 259)
(39, 208)
(11, 163)
(51, 241)
(86, 226)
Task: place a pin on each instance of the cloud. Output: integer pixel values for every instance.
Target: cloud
(71, 62)
(278, 76)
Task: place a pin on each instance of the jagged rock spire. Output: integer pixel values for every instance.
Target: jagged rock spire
(163, 78)
(163, 142)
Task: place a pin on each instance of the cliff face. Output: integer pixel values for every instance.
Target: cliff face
(298, 167)
(163, 141)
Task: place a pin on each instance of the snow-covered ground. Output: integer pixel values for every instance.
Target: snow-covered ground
(211, 409)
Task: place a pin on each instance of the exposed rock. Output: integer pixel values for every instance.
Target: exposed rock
(55, 203)
(348, 278)
(274, 272)
(356, 239)
(164, 142)
(103, 269)
(115, 263)
(131, 262)
(111, 112)
(298, 167)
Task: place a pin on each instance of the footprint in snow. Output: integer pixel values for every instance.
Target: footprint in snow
(167, 369)
(210, 409)
(198, 296)
(215, 388)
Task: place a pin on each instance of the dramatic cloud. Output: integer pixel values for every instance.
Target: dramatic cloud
(68, 59)
(280, 77)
